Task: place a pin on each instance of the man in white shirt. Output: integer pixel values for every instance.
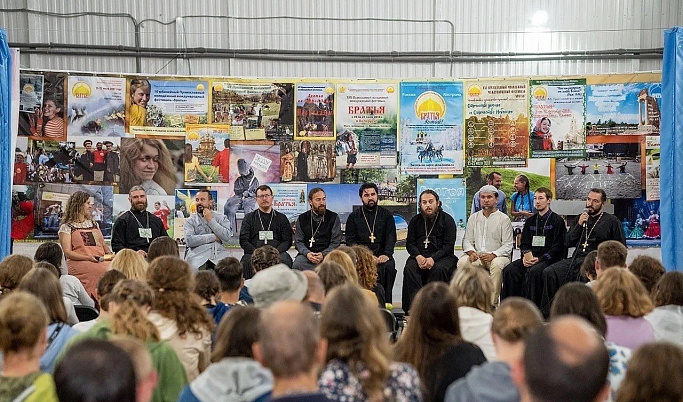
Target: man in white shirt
(206, 233)
(488, 239)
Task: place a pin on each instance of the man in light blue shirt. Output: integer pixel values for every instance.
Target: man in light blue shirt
(495, 179)
(206, 234)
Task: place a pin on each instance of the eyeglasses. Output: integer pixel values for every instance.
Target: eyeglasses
(264, 196)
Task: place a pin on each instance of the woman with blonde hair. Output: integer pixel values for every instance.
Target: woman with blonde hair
(358, 367)
(12, 269)
(366, 268)
(332, 275)
(23, 339)
(146, 162)
(473, 288)
(625, 302)
(181, 320)
(44, 285)
(345, 261)
(130, 263)
(82, 242)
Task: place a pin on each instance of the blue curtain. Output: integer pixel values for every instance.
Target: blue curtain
(5, 145)
(671, 151)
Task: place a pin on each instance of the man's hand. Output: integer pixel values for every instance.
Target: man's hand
(429, 263)
(473, 256)
(315, 258)
(382, 259)
(420, 261)
(583, 218)
(488, 257)
(208, 215)
(142, 253)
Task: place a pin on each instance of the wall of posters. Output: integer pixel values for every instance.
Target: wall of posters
(496, 123)
(652, 167)
(431, 128)
(366, 124)
(557, 118)
(314, 111)
(96, 106)
(207, 154)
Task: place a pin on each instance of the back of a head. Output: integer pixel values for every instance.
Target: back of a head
(654, 373)
(515, 318)
(95, 371)
(43, 284)
(105, 286)
(612, 253)
(578, 299)
(277, 283)
(565, 361)
(668, 290)
(206, 285)
(332, 275)
(621, 293)
(132, 298)
(162, 246)
(366, 267)
(236, 333)
(230, 273)
(23, 321)
(588, 265)
(51, 252)
(49, 267)
(12, 270)
(316, 288)
(647, 269)
(288, 339)
(472, 288)
(345, 261)
(264, 257)
(139, 355)
(348, 250)
(130, 263)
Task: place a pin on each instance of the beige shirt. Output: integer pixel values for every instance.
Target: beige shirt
(490, 235)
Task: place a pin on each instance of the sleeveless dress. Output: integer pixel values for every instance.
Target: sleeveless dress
(86, 239)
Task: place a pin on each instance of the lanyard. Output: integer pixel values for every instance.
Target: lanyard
(140, 224)
(544, 222)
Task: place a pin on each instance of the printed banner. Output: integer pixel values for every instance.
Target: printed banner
(163, 107)
(618, 109)
(96, 106)
(30, 92)
(453, 199)
(652, 167)
(557, 118)
(207, 155)
(431, 128)
(366, 124)
(154, 164)
(290, 199)
(314, 111)
(497, 123)
(254, 110)
(42, 106)
(307, 161)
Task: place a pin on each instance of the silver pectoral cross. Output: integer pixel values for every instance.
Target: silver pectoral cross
(372, 237)
(585, 244)
(310, 242)
(426, 242)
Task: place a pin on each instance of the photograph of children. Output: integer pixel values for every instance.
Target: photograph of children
(254, 110)
(314, 111)
(51, 200)
(45, 120)
(43, 161)
(157, 165)
(307, 161)
(184, 206)
(159, 205)
(96, 106)
(623, 108)
(207, 155)
(614, 167)
(23, 212)
(163, 107)
(96, 160)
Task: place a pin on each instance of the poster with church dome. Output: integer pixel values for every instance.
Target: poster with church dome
(558, 116)
(207, 154)
(430, 127)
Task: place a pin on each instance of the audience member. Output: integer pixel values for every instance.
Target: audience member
(181, 320)
(667, 317)
(206, 287)
(43, 284)
(96, 371)
(588, 268)
(647, 269)
(611, 254)
(473, 288)
(264, 257)
(130, 263)
(655, 373)
(146, 377)
(358, 365)
(72, 288)
(23, 328)
(432, 341)
(577, 299)
(345, 261)
(104, 288)
(233, 291)
(12, 270)
(563, 361)
(366, 269)
(234, 375)
(513, 320)
(315, 294)
(625, 302)
(162, 246)
(332, 275)
(71, 317)
(349, 251)
(289, 345)
(278, 283)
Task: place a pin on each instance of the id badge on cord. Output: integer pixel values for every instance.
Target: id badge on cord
(265, 235)
(145, 233)
(538, 241)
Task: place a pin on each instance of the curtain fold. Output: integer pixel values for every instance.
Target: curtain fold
(6, 159)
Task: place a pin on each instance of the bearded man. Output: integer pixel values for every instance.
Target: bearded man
(136, 228)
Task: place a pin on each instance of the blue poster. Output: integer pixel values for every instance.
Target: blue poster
(452, 196)
(618, 109)
(431, 128)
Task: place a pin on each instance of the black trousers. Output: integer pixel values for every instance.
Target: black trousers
(555, 276)
(248, 270)
(414, 278)
(386, 276)
(522, 281)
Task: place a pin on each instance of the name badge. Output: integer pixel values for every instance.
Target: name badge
(265, 235)
(538, 241)
(145, 233)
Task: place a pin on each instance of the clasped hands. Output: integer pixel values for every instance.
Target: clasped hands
(485, 257)
(424, 263)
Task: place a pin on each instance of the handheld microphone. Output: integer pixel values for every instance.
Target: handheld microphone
(585, 211)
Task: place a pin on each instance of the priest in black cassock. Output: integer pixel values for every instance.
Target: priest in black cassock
(592, 228)
(318, 231)
(374, 227)
(136, 228)
(264, 226)
(430, 243)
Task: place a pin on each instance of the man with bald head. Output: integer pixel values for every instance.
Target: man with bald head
(289, 345)
(564, 361)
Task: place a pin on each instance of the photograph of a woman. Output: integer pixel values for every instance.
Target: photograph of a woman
(147, 162)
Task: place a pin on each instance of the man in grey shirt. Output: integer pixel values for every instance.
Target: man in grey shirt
(206, 233)
(318, 231)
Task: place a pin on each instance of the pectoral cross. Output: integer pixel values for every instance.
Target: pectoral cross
(372, 237)
(426, 242)
(310, 242)
(585, 244)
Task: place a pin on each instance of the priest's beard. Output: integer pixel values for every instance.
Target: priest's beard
(139, 206)
(429, 215)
